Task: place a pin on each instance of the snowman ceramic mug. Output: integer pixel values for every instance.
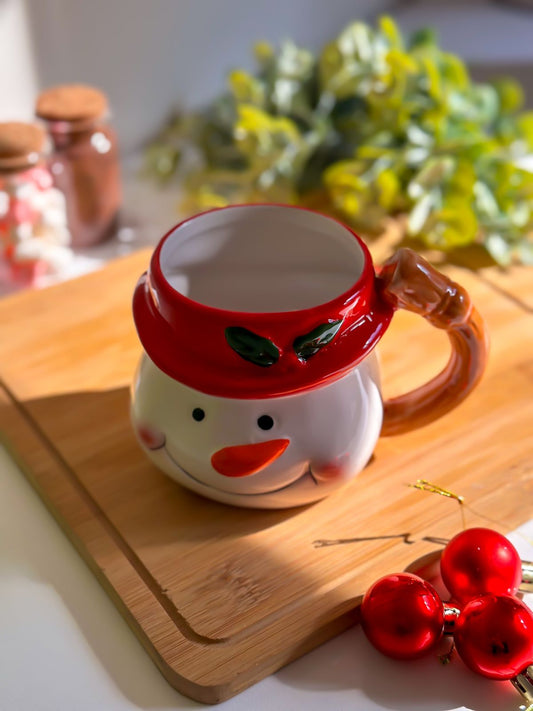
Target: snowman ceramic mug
(259, 386)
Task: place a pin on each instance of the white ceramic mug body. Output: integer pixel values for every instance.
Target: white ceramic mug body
(331, 432)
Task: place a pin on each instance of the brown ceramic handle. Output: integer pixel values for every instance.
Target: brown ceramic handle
(408, 282)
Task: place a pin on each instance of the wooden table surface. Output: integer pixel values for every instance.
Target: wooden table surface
(219, 596)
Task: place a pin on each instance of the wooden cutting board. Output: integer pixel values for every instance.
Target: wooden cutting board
(221, 597)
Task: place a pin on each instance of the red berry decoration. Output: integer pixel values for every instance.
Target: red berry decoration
(402, 616)
(479, 561)
(494, 636)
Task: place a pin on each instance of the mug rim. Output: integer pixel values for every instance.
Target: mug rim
(341, 299)
(207, 348)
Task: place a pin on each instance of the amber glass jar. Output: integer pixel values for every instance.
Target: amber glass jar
(84, 161)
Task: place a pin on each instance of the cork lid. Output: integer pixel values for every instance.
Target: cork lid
(21, 145)
(71, 102)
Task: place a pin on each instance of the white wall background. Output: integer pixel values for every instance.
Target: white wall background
(479, 30)
(150, 55)
(494, 36)
(18, 78)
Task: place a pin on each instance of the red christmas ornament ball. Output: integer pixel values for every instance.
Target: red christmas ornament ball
(478, 561)
(402, 616)
(494, 636)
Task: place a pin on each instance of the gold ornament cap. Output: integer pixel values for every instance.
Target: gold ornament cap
(523, 682)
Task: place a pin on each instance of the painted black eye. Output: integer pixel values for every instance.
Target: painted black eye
(265, 422)
(198, 414)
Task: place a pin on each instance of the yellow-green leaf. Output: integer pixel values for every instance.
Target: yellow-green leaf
(525, 126)
(390, 30)
(510, 94)
(400, 61)
(264, 52)
(454, 71)
(432, 76)
(388, 186)
(419, 214)
(245, 88)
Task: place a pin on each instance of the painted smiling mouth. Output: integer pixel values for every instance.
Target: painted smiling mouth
(306, 473)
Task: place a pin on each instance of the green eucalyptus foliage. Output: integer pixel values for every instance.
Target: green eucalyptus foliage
(378, 126)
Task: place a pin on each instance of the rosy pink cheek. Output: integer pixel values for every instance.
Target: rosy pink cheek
(151, 437)
(330, 471)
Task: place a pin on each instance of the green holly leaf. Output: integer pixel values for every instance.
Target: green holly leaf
(256, 349)
(307, 345)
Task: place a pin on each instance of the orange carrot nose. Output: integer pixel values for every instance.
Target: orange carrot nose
(248, 458)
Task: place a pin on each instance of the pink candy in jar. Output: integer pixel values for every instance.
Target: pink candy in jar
(34, 237)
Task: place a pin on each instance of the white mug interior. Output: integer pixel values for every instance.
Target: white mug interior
(261, 258)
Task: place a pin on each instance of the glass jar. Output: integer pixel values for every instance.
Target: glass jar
(84, 162)
(33, 231)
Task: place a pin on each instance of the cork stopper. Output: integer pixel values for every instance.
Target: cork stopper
(21, 145)
(71, 102)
